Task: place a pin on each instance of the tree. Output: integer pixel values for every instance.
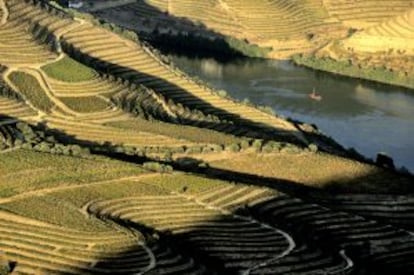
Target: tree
(257, 144)
(234, 147)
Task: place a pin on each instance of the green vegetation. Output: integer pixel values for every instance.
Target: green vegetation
(7, 92)
(86, 104)
(24, 170)
(157, 167)
(347, 68)
(69, 70)
(27, 137)
(111, 192)
(247, 49)
(58, 212)
(4, 266)
(63, 206)
(32, 91)
(177, 131)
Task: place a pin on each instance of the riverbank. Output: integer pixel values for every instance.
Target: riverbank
(352, 112)
(376, 74)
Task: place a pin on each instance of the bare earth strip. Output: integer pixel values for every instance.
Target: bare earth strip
(5, 12)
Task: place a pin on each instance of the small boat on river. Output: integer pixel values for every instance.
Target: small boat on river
(315, 96)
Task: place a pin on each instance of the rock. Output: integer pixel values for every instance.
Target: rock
(384, 160)
(308, 128)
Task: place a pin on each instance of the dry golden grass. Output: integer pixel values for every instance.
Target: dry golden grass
(318, 170)
(23, 171)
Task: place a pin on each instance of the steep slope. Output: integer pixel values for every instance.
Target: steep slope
(30, 48)
(395, 34)
(357, 14)
(382, 52)
(287, 27)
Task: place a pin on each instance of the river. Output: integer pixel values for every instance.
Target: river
(369, 117)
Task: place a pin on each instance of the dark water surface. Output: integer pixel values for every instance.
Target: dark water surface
(369, 117)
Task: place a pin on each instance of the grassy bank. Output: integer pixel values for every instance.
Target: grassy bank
(378, 74)
(30, 88)
(85, 104)
(69, 70)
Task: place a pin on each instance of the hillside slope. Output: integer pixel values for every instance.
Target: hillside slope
(127, 80)
(345, 30)
(383, 52)
(361, 14)
(286, 26)
(395, 34)
(113, 161)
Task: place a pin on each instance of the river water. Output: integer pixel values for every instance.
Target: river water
(369, 117)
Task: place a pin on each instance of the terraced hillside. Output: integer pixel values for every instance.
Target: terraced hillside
(359, 14)
(259, 22)
(61, 104)
(129, 220)
(371, 35)
(16, 109)
(382, 52)
(173, 95)
(113, 161)
(396, 34)
(142, 68)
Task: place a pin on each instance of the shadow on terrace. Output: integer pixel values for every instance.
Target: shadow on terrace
(299, 229)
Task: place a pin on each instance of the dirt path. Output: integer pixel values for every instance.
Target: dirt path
(291, 242)
(41, 79)
(5, 12)
(349, 262)
(130, 231)
(35, 69)
(152, 260)
(45, 191)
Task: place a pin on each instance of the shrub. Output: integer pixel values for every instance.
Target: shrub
(75, 150)
(129, 150)
(217, 148)
(195, 150)
(4, 269)
(234, 147)
(247, 49)
(158, 167)
(244, 144)
(168, 155)
(222, 93)
(313, 147)
(27, 146)
(267, 148)
(208, 149)
(257, 145)
(276, 146)
(291, 149)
